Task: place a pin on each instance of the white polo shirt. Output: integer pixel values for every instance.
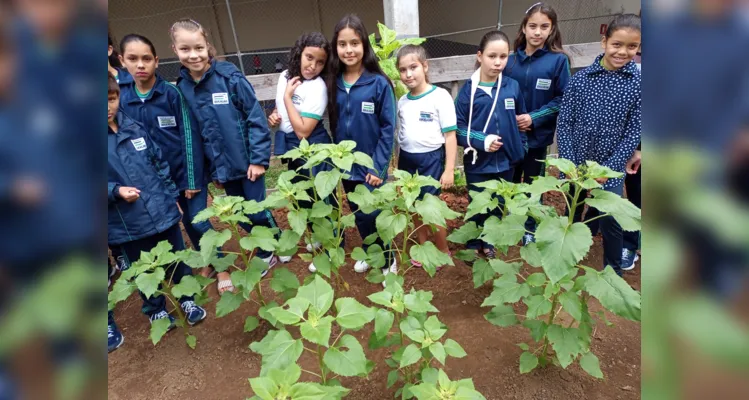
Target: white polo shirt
(424, 120)
(310, 99)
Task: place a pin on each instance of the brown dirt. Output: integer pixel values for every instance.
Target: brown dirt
(222, 363)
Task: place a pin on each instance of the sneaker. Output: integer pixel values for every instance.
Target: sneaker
(161, 315)
(121, 264)
(271, 260)
(313, 247)
(629, 258)
(114, 337)
(284, 259)
(392, 270)
(312, 268)
(529, 238)
(193, 312)
(361, 267)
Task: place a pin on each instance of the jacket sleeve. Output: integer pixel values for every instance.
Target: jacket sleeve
(192, 140)
(630, 140)
(112, 188)
(160, 166)
(255, 123)
(462, 104)
(566, 122)
(520, 110)
(550, 110)
(384, 150)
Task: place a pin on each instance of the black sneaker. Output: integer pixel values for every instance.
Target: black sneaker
(114, 337)
(161, 315)
(629, 258)
(529, 238)
(193, 312)
(122, 265)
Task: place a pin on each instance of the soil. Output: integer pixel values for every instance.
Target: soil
(220, 366)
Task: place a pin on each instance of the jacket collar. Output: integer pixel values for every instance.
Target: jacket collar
(538, 53)
(125, 127)
(365, 79)
(159, 87)
(184, 73)
(629, 68)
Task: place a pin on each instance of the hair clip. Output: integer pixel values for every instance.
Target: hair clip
(531, 7)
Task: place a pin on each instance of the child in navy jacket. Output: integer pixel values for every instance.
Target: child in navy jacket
(600, 120)
(489, 104)
(542, 70)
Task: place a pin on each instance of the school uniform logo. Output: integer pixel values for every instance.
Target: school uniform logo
(367, 107)
(139, 144)
(543, 84)
(296, 99)
(509, 104)
(220, 98)
(425, 116)
(167, 122)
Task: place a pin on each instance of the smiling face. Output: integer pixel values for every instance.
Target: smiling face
(139, 61)
(493, 59)
(313, 62)
(191, 48)
(620, 48)
(412, 71)
(350, 48)
(537, 30)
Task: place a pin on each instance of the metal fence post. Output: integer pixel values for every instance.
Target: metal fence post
(499, 16)
(236, 40)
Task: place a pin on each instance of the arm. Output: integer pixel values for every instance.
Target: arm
(632, 134)
(255, 124)
(549, 111)
(113, 192)
(161, 166)
(384, 150)
(191, 139)
(567, 116)
(520, 110)
(305, 122)
(477, 138)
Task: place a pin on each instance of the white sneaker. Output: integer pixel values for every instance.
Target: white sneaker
(392, 270)
(361, 267)
(312, 268)
(313, 246)
(271, 260)
(284, 259)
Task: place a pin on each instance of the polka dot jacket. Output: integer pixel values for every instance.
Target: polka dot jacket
(600, 117)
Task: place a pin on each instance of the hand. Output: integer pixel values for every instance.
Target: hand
(373, 180)
(602, 180)
(291, 86)
(190, 193)
(495, 146)
(129, 194)
(218, 185)
(255, 171)
(448, 179)
(28, 190)
(274, 119)
(524, 122)
(633, 165)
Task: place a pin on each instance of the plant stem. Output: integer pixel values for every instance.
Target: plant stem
(596, 217)
(323, 374)
(246, 261)
(551, 320)
(312, 373)
(571, 211)
(177, 306)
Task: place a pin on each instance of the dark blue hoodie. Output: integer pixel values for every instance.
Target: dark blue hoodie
(135, 160)
(171, 124)
(366, 115)
(543, 78)
(232, 121)
(502, 122)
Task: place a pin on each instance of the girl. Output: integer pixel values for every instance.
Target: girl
(427, 131)
(361, 106)
(232, 121)
(114, 65)
(542, 69)
(487, 108)
(600, 119)
(161, 108)
(301, 99)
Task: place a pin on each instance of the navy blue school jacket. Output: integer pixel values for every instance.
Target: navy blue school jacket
(232, 121)
(503, 123)
(366, 115)
(123, 77)
(600, 118)
(135, 160)
(171, 124)
(543, 78)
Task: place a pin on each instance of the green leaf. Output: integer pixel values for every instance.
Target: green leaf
(434, 211)
(363, 159)
(298, 220)
(316, 391)
(537, 306)
(188, 286)
(537, 328)
(288, 241)
(344, 163)
(212, 240)
(410, 356)
(326, 182)
(438, 351)
(482, 272)
(281, 352)
(260, 237)
(376, 258)
(565, 342)
(434, 328)
(572, 304)
(317, 332)
(251, 323)
(590, 364)
(535, 280)
(419, 301)
(229, 302)
(453, 349)
(623, 211)
(263, 312)
(389, 225)
(505, 232)
(148, 283)
(614, 293)
(382, 298)
(425, 391)
(383, 322)
(506, 291)
(531, 255)
(462, 235)
(247, 279)
(561, 246)
(159, 328)
(192, 341)
(505, 269)
(543, 184)
(265, 388)
(392, 378)
(481, 203)
(563, 165)
(363, 198)
(502, 315)
(121, 290)
(320, 210)
(318, 293)
(528, 362)
(352, 314)
(284, 282)
(466, 255)
(221, 264)
(430, 257)
(291, 315)
(523, 346)
(346, 363)
(387, 35)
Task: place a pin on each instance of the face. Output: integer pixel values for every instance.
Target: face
(412, 71)
(139, 61)
(350, 47)
(494, 58)
(110, 51)
(313, 62)
(621, 47)
(113, 103)
(537, 29)
(192, 50)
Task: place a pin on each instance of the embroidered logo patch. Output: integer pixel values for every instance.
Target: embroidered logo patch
(509, 104)
(425, 116)
(220, 98)
(139, 144)
(543, 84)
(367, 107)
(296, 99)
(167, 122)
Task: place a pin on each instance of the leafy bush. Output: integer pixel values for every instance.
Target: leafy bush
(385, 51)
